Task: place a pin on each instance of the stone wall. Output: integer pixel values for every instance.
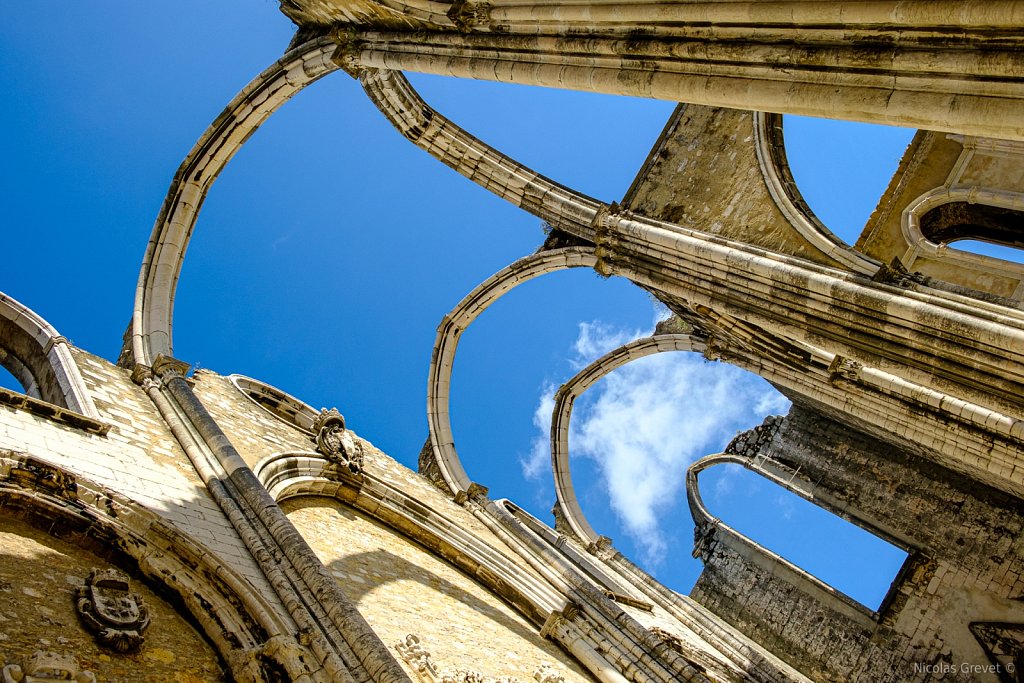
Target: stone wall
(402, 589)
(704, 173)
(965, 565)
(39, 575)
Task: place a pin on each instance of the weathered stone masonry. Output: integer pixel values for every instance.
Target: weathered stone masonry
(192, 526)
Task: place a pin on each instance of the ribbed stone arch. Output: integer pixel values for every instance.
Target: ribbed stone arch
(451, 328)
(558, 205)
(567, 395)
(161, 266)
(395, 97)
(242, 627)
(40, 358)
(770, 148)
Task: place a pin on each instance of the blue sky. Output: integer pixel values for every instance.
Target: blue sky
(329, 249)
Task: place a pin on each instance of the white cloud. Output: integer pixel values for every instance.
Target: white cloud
(647, 422)
(597, 338)
(539, 460)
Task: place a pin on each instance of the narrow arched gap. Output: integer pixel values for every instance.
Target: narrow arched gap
(847, 557)
(39, 360)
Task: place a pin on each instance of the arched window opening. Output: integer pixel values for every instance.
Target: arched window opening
(25, 357)
(977, 228)
(843, 555)
(37, 363)
(842, 168)
(283, 406)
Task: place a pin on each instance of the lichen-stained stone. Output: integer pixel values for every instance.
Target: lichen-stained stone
(402, 589)
(39, 579)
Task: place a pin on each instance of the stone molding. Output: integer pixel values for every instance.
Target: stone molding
(238, 622)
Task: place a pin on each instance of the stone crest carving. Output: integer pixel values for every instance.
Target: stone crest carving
(109, 609)
(548, 674)
(335, 442)
(411, 651)
(46, 666)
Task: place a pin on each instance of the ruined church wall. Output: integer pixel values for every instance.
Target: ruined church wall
(965, 564)
(138, 457)
(39, 577)
(257, 434)
(402, 589)
(704, 173)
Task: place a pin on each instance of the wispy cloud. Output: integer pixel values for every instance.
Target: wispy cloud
(537, 463)
(645, 423)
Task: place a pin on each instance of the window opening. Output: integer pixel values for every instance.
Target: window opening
(843, 555)
(977, 228)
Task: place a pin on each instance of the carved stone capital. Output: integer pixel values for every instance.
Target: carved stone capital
(716, 348)
(141, 374)
(602, 547)
(477, 492)
(468, 15)
(605, 242)
(167, 368)
(346, 55)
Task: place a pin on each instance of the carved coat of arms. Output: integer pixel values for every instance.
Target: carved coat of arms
(336, 442)
(109, 609)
